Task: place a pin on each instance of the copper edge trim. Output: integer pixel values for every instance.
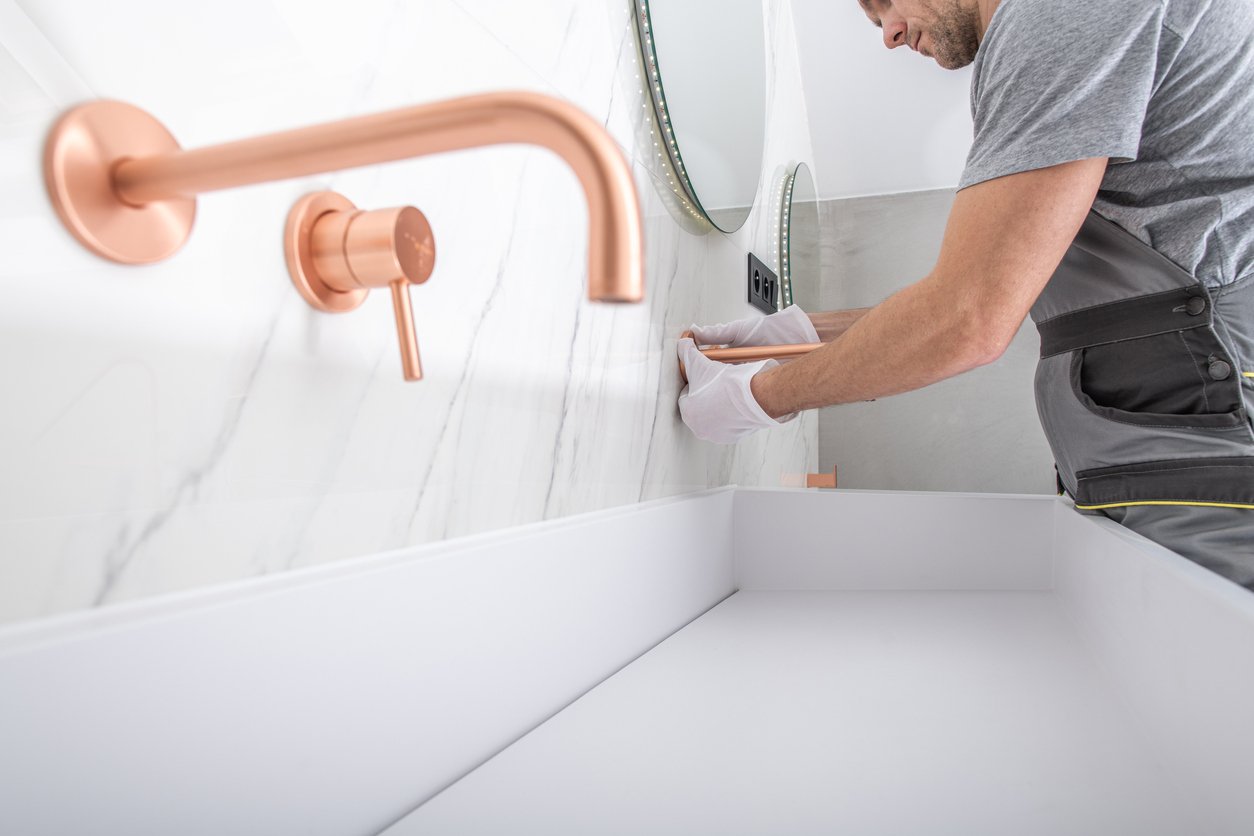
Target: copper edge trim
(751, 354)
(822, 480)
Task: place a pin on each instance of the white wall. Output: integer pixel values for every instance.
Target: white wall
(196, 422)
(882, 121)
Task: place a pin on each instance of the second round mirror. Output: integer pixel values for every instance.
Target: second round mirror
(798, 242)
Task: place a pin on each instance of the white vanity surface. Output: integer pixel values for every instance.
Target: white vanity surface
(837, 712)
(730, 662)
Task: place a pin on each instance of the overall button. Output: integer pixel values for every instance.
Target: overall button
(1219, 370)
(1195, 306)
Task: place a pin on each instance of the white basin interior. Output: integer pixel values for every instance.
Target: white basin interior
(838, 712)
(738, 661)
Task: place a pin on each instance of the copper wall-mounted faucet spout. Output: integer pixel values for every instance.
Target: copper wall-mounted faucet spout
(128, 153)
(124, 188)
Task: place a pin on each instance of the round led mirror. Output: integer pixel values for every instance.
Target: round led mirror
(799, 242)
(705, 61)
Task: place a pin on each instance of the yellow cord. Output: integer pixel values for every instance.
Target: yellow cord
(1195, 504)
(1247, 374)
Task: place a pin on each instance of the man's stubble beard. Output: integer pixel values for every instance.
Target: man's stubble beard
(955, 35)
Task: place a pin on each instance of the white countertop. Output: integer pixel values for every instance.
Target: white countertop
(836, 712)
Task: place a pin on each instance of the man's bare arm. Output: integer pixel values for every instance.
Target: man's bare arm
(1004, 239)
(831, 324)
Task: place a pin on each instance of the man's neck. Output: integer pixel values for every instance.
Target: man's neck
(987, 7)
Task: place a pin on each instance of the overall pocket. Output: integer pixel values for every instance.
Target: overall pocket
(1224, 482)
(1183, 379)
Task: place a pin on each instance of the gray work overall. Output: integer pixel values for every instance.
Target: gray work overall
(1144, 390)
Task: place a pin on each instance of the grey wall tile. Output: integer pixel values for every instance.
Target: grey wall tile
(976, 432)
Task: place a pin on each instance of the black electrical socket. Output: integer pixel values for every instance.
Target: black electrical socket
(763, 286)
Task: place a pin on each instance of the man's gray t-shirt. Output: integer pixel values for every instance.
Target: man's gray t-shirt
(1165, 88)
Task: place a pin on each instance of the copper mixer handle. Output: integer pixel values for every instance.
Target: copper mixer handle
(337, 254)
(411, 365)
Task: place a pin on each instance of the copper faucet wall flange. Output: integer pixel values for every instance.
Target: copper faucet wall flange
(80, 155)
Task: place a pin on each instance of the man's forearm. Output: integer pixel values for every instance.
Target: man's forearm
(916, 337)
(831, 324)
(1004, 239)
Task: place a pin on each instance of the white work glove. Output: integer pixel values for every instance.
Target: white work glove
(789, 326)
(718, 405)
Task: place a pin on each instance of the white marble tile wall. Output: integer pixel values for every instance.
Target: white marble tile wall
(195, 422)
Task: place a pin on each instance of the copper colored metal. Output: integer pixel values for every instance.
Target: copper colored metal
(303, 268)
(411, 365)
(79, 156)
(751, 354)
(336, 254)
(821, 480)
(97, 171)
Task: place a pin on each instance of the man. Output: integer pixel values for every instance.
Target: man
(1110, 192)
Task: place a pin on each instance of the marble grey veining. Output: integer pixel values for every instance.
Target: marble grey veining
(194, 422)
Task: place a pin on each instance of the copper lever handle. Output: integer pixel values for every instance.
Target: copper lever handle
(337, 253)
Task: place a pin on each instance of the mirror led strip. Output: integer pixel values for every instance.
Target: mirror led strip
(785, 252)
(644, 32)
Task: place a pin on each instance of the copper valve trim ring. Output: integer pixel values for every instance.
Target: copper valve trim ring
(337, 253)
